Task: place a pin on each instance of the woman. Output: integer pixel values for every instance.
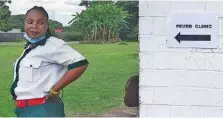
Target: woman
(45, 67)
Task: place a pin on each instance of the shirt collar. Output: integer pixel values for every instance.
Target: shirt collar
(41, 42)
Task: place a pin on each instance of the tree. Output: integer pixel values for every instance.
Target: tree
(85, 3)
(88, 3)
(17, 21)
(76, 17)
(55, 24)
(4, 16)
(100, 22)
(132, 8)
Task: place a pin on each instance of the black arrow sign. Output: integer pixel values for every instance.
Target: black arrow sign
(180, 37)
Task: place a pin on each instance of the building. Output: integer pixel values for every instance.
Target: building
(178, 82)
(58, 30)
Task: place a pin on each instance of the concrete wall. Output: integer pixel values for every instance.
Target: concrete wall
(12, 31)
(178, 82)
(11, 37)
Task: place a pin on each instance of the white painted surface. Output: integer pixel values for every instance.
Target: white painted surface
(178, 82)
(193, 23)
(12, 31)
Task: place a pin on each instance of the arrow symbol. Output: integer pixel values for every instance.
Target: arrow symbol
(180, 37)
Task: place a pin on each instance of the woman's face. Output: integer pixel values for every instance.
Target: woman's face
(36, 24)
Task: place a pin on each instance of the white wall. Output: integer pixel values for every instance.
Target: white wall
(12, 31)
(178, 82)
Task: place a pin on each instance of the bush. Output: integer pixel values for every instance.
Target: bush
(98, 42)
(129, 34)
(61, 35)
(74, 36)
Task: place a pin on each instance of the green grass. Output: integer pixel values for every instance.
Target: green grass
(98, 90)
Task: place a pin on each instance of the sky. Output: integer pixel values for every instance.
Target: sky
(62, 9)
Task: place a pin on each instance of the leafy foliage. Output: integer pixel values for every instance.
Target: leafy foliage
(74, 36)
(85, 3)
(55, 24)
(4, 16)
(101, 22)
(129, 33)
(17, 21)
(132, 8)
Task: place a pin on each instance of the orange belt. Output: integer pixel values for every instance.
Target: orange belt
(29, 102)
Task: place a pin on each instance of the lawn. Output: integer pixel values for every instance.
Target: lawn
(98, 90)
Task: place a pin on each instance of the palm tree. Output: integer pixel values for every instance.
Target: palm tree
(76, 17)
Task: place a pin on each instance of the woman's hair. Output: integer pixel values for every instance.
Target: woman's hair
(41, 9)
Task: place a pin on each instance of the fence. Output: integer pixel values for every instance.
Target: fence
(15, 37)
(11, 37)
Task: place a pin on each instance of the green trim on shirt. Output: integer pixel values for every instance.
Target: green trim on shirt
(78, 64)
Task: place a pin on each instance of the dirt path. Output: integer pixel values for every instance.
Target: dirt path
(121, 112)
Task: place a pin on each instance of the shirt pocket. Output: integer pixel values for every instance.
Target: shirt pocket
(30, 70)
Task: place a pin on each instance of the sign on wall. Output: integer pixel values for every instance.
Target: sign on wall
(193, 30)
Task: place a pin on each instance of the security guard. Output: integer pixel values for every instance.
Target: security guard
(46, 66)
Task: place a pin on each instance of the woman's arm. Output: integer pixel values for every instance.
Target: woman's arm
(67, 78)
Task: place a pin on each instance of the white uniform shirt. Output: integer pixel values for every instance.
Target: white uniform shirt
(42, 67)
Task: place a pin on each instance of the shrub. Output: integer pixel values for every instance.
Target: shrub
(74, 36)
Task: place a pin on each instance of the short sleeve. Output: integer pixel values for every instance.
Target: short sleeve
(67, 56)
